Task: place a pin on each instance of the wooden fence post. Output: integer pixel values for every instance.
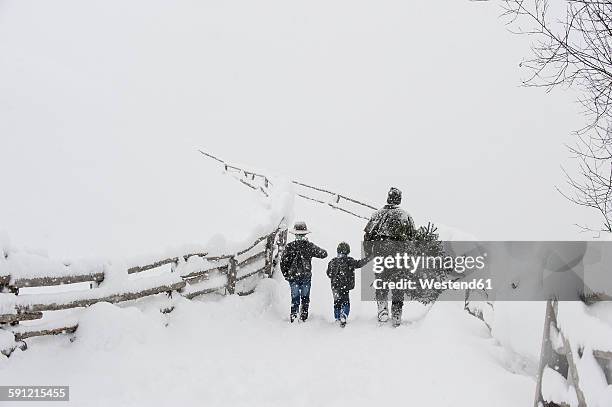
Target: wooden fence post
(231, 275)
(572, 376)
(280, 245)
(270, 254)
(548, 355)
(546, 352)
(282, 241)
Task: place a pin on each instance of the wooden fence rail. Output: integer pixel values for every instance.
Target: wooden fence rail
(331, 199)
(112, 298)
(223, 273)
(557, 354)
(51, 281)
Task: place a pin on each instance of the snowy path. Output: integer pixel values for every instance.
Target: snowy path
(241, 351)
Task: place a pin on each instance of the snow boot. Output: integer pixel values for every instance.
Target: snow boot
(342, 320)
(383, 311)
(396, 316)
(304, 313)
(292, 317)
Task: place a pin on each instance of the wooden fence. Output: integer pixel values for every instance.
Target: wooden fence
(261, 182)
(477, 304)
(177, 275)
(558, 354)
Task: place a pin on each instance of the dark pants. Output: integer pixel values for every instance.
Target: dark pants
(300, 293)
(397, 298)
(342, 303)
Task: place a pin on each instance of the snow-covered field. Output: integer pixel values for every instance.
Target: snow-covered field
(243, 351)
(103, 106)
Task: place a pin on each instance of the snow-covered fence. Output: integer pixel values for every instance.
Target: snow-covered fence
(477, 304)
(576, 358)
(261, 182)
(190, 275)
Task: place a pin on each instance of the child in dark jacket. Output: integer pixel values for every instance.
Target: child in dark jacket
(297, 269)
(341, 271)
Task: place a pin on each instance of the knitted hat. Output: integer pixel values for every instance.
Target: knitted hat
(394, 197)
(344, 248)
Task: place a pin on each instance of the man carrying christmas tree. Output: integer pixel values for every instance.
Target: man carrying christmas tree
(390, 226)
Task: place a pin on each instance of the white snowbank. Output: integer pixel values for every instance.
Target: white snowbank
(7, 340)
(244, 350)
(583, 329)
(518, 325)
(586, 333)
(593, 382)
(555, 388)
(105, 327)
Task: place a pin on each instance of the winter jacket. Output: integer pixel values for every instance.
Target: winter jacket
(296, 260)
(390, 223)
(341, 271)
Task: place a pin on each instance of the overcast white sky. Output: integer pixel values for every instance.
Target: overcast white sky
(102, 104)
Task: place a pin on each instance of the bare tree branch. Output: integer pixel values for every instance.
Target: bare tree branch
(576, 51)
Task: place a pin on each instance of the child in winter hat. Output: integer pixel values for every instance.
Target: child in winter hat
(341, 272)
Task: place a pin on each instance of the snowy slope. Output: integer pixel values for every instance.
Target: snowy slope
(242, 350)
(102, 107)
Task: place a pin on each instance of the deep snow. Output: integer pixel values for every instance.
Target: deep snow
(103, 105)
(243, 351)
